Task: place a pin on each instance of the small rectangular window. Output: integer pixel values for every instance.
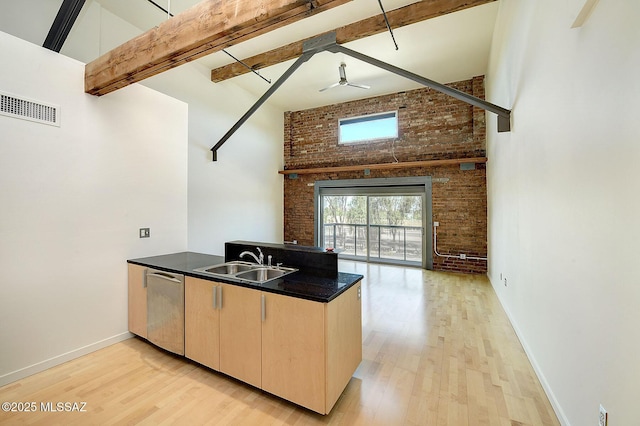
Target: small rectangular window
(368, 127)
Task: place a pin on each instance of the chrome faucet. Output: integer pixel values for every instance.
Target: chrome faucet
(259, 259)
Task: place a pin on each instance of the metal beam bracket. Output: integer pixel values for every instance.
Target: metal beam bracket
(321, 42)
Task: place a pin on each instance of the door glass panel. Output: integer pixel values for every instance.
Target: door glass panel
(394, 224)
(345, 223)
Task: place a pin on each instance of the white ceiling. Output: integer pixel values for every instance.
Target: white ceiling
(446, 49)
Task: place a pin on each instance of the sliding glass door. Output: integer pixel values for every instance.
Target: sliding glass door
(395, 227)
(383, 224)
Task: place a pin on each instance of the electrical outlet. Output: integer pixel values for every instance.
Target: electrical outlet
(603, 417)
(505, 282)
(436, 223)
(145, 233)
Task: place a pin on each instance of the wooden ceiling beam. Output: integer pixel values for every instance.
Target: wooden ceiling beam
(205, 28)
(407, 15)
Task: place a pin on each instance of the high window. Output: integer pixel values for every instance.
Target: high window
(368, 127)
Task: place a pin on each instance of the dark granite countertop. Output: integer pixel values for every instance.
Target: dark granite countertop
(298, 284)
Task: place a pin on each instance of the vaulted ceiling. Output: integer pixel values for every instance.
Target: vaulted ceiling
(448, 48)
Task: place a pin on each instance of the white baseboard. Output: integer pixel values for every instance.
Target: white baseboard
(57, 360)
(536, 368)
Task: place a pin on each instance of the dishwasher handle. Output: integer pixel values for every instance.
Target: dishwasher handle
(164, 276)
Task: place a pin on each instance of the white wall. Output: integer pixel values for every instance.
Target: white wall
(240, 196)
(563, 199)
(72, 199)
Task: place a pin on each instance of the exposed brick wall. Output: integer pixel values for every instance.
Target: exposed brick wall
(460, 205)
(431, 126)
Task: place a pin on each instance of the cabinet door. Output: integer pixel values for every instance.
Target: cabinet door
(344, 341)
(137, 300)
(293, 350)
(240, 334)
(202, 322)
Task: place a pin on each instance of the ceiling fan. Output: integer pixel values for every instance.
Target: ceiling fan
(343, 80)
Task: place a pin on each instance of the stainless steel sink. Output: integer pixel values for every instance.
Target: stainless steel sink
(246, 272)
(227, 268)
(261, 274)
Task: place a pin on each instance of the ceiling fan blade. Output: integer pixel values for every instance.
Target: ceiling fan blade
(360, 86)
(330, 87)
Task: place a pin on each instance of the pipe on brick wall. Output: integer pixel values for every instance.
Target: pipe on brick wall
(449, 256)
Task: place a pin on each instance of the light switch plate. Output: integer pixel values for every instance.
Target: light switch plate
(145, 233)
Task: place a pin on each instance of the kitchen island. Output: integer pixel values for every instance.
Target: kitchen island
(298, 337)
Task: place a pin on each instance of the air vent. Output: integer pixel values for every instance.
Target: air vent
(13, 106)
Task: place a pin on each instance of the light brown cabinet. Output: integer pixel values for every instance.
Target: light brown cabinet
(300, 350)
(137, 300)
(310, 350)
(343, 342)
(222, 328)
(202, 322)
(240, 334)
(293, 350)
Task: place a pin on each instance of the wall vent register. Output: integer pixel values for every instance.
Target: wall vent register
(17, 107)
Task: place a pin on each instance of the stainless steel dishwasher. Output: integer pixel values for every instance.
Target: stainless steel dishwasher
(165, 310)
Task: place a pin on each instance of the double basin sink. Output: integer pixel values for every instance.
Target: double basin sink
(240, 271)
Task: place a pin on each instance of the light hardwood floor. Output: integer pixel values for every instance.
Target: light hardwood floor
(438, 349)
